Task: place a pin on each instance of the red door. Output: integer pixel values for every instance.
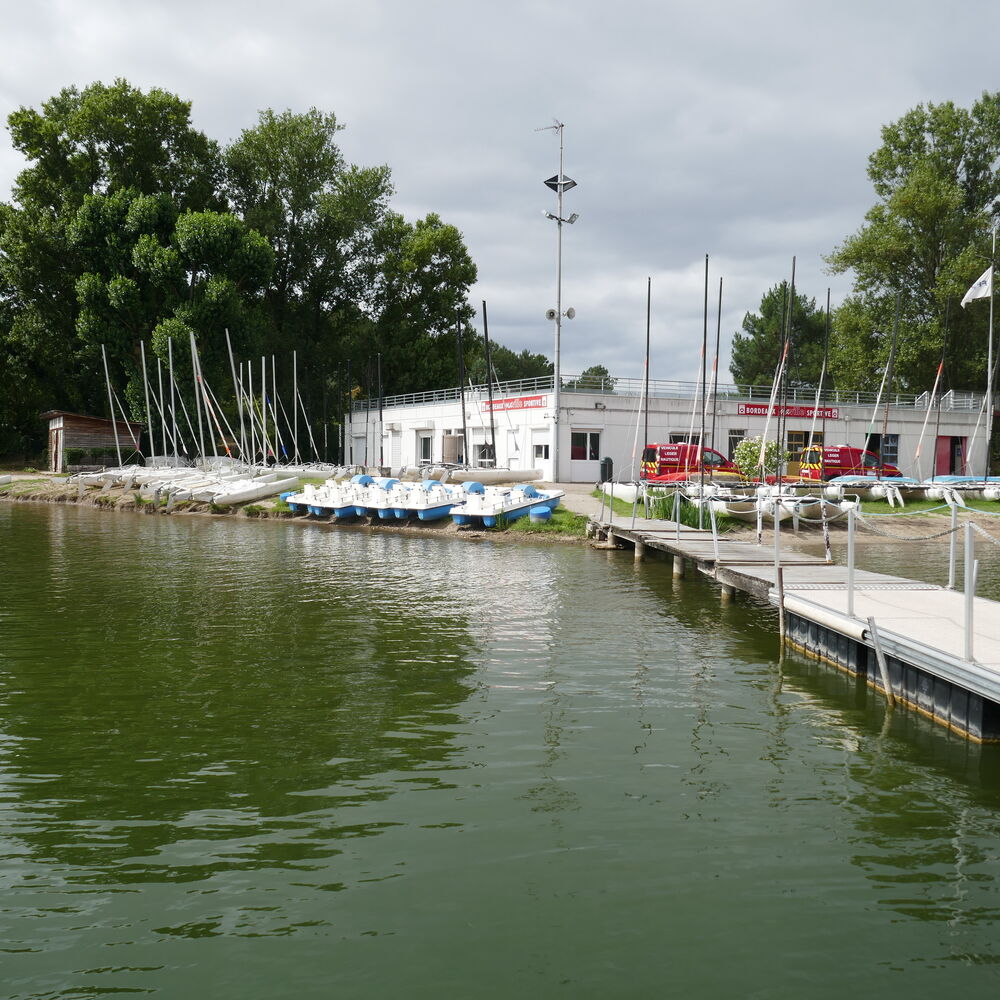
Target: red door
(942, 457)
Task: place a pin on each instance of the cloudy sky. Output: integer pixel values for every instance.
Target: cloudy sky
(737, 130)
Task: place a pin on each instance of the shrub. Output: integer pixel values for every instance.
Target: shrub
(746, 457)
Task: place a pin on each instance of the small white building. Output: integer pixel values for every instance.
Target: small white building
(610, 421)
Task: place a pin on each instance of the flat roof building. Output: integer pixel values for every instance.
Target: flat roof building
(609, 418)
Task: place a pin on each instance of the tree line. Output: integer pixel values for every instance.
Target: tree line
(925, 240)
(129, 230)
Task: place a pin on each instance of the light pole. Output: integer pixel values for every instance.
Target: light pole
(560, 183)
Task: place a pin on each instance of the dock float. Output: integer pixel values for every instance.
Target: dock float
(932, 649)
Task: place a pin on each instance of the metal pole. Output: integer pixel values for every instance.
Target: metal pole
(883, 667)
(381, 424)
(555, 356)
(111, 404)
(715, 530)
(173, 406)
(953, 547)
(489, 386)
(239, 396)
(149, 412)
(295, 409)
(989, 365)
(197, 399)
(461, 393)
(970, 588)
(704, 400)
(645, 388)
(850, 563)
(777, 537)
(163, 411)
(780, 587)
(263, 409)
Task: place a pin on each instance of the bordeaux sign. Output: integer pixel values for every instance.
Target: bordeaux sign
(761, 410)
(518, 403)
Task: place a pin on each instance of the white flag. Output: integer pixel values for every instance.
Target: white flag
(982, 289)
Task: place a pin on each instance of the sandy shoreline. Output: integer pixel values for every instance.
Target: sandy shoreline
(44, 488)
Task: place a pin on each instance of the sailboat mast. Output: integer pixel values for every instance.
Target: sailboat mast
(461, 388)
(111, 404)
(645, 380)
(715, 363)
(163, 412)
(145, 388)
(989, 363)
(295, 411)
(381, 436)
(197, 394)
(489, 384)
(704, 401)
(239, 396)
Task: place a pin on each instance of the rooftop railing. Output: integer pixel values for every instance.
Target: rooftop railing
(667, 389)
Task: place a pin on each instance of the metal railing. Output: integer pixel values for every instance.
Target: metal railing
(669, 389)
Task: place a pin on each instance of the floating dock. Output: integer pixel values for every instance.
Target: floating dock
(933, 649)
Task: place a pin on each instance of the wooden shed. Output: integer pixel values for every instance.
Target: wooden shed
(75, 439)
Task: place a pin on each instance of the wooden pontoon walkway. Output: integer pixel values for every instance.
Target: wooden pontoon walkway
(902, 634)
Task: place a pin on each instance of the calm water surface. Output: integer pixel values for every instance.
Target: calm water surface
(244, 760)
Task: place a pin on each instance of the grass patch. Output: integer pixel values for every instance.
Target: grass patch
(22, 487)
(563, 522)
(923, 506)
(662, 509)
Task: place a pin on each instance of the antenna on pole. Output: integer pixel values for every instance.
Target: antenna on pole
(560, 183)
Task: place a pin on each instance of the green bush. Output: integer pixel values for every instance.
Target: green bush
(746, 457)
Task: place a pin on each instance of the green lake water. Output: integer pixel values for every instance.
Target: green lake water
(256, 760)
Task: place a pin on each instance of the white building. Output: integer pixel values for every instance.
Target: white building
(610, 421)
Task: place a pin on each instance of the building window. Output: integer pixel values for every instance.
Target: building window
(483, 455)
(889, 449)
(798, 440)
(541, 452)
(585, 446)
(735, 437)
(685, 438)
(425, 444)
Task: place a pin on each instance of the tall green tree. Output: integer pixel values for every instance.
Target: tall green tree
(926, 238)
(419, 296)
(592, 379)
(288, 180)
(127, 223)
(92, 154)
(508, 365)
(757, 351)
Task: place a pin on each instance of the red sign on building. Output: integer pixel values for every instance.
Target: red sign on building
(761, 410)
(518, 403)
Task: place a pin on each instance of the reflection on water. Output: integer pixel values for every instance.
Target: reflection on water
(263, 760)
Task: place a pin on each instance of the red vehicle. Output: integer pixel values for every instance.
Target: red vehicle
(667, 463)
(824, 463)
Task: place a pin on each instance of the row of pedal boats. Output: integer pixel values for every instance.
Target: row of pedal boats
(468, 503)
